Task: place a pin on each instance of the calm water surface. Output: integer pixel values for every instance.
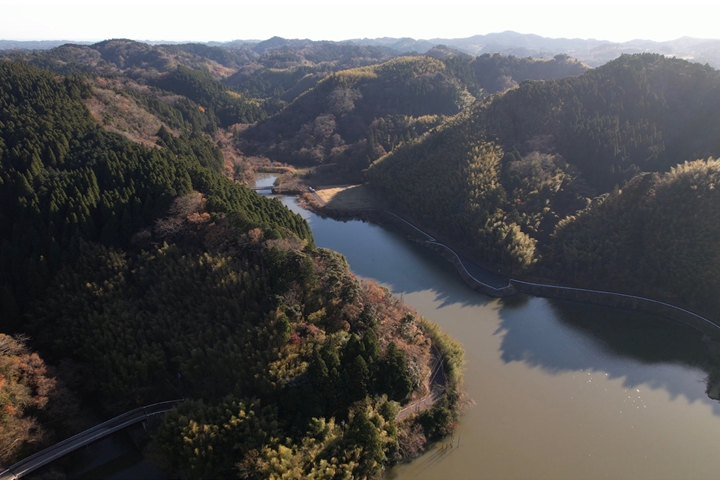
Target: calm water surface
(560, 390)
(265, 180)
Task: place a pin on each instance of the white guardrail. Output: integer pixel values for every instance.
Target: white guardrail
(514, 282)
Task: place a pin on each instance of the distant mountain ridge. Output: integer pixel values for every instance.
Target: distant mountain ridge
(490, 43)
(590, 51)
(35, 44)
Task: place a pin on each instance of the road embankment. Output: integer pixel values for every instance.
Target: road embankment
(493, 285)
(620, 300)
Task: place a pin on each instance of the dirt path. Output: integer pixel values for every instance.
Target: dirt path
(437, 389)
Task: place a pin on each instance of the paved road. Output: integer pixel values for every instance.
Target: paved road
(319, 200)
(484, 275)
(480, 274)
(42, 458)
(494, 280)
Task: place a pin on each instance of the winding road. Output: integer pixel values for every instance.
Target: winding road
(494, 281)
(43, 457)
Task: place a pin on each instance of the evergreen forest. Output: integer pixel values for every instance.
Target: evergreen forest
(142, 273)
(522, 179)
(136, 265)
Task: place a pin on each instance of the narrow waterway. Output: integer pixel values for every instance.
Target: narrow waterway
(560, 390)
(265, 180)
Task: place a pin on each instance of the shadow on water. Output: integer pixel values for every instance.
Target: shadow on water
(421, 269)
(516, 301)
(556, 336)
(389, 257)
(642, 349)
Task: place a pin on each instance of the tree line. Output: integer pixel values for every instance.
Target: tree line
(509, 180)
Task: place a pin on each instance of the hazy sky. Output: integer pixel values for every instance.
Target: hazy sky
(222, 21)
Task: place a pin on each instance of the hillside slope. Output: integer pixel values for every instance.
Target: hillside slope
(499, 179)
(352, 117)
(659, 236)
(331, 122)
(148, 275)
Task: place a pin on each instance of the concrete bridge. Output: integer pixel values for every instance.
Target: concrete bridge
(42, 458)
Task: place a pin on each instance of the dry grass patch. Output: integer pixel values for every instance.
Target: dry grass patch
(119, 113)
(347, 197)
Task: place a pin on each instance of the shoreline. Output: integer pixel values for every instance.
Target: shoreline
(513, 285)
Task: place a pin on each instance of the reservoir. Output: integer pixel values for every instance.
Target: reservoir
(555, 390)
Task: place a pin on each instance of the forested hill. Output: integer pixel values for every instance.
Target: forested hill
(657, 237)
(488, 74)
(499, 178)
(143, 274)
(354, 116)
(135, 59)
(64, 178)
(497, 73)
(332, 121)
(284, 69)
(208, 87)
(638, 113)
(117, 56)
(187, 70)
(276, 68)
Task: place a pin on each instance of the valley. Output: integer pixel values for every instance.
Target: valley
(137, 266)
